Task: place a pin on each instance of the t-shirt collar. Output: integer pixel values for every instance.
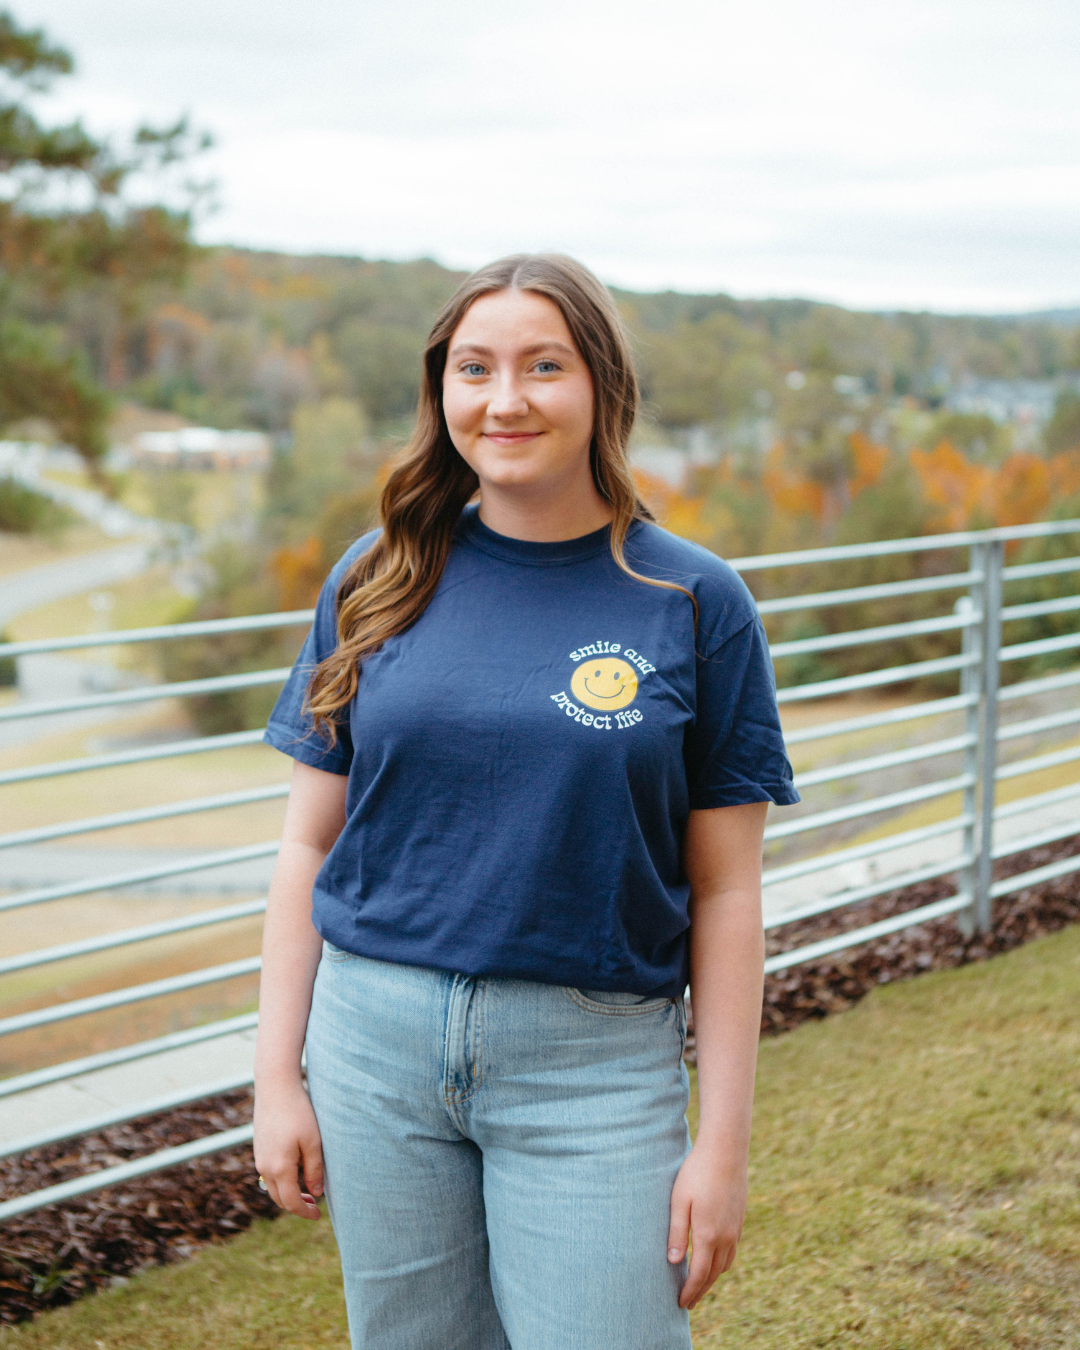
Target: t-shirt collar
(472, 530)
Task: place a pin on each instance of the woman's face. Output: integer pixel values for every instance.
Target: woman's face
(517, 394)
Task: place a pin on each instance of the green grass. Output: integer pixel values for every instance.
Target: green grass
(915, 1186)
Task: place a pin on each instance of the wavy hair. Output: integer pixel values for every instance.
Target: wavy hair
(387, 588)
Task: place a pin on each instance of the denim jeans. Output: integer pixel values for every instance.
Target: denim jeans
(499, 1158)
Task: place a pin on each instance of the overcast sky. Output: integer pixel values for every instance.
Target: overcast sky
(924, 153)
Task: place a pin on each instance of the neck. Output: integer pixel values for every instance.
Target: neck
(540, 516)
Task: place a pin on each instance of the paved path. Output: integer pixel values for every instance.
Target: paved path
(55, 865)
(46, 677)
(69, 1107)
(38, 586)
(833, 881)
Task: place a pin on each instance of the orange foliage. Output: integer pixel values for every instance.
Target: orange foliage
(870, 461)
(952, 483)
(299, 573)
(788, 490)
(1065, 474)
(1020, 490)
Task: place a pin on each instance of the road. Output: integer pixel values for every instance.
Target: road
(71, 576)
(47, 677)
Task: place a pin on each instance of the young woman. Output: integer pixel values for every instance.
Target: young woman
(535, 739)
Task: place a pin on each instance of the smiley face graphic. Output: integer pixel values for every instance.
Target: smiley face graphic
(605, 683)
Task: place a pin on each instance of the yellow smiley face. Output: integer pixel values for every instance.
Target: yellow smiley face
(605, 683)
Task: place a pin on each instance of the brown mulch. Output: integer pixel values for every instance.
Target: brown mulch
(835, 983)
(54, 1255)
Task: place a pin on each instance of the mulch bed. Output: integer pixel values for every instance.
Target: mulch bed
(52, 1256)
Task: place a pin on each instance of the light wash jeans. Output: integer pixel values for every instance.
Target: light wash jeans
(499, 1158)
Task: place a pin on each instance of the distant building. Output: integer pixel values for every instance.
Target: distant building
(1015, 401)
(201, 448)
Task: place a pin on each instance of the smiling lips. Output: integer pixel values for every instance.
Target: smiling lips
(617, 694)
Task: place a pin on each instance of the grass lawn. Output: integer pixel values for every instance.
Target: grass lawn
(915, 1186)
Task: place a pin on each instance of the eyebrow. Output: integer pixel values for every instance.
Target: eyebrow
(526, 351)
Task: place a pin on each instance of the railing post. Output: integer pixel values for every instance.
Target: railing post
(992, 565)
(970, 684)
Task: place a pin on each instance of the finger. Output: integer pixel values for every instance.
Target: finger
(311, 1164)
(723, 1258)
(678, 1228)
(292, 1198)
(726, 1257)
(697, 1280)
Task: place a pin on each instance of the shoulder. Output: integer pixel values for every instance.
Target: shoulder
(724, 601)
(354, 551)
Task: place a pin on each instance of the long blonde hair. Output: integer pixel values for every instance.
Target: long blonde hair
(388, 587)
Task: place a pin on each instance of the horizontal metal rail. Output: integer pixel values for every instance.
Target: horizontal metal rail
(1036, 877)
(885, 590)
(874, 679)
(1044, 684)
(857, 894)
(135, 993)
(869, 808)
(116, 880)
(920, 544)
(1040, 647)
(117, 1115)
(163, 632)
(115, 1176)
(1050, 835)
(147, 693)
(822, 862)
(147, 813)
(1020, 767)
(44, 956)
(912, 713)
(1038, 607)
(890, 761)
(166, 750)
(1024, 805)
(1050, 722)
(910, 919)
(858, 637)
(125, 1054)
(1054, 567)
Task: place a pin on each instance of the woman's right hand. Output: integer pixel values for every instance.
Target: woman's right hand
(288, 1147)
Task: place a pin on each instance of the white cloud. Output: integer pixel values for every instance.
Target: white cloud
(923, 154)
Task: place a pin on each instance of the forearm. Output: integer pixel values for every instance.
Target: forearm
(726, 959)
(291, 950)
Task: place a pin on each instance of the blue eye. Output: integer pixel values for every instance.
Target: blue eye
(472, 368)
(546, 367)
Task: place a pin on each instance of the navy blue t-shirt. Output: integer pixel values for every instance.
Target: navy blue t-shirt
(522, 760)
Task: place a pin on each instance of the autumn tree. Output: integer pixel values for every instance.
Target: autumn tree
(68, 227)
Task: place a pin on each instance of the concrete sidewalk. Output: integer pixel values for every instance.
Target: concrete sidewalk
(76, 1105)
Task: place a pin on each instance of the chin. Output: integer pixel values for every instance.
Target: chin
(502, 474)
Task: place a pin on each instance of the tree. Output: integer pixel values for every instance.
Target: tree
(1063, 429)
(67, 227)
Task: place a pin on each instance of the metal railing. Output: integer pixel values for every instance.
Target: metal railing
(973, 598)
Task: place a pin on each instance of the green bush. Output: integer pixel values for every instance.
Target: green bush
(9, 675)
(23, 511)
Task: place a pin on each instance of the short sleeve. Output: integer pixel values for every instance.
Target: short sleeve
(290, 728)
(735, 750)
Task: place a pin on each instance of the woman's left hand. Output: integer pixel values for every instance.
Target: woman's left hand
(709, 1201)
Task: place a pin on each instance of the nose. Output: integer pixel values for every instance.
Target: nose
(508, 398)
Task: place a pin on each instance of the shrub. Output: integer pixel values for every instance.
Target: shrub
(9, 675)
(23, 511)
